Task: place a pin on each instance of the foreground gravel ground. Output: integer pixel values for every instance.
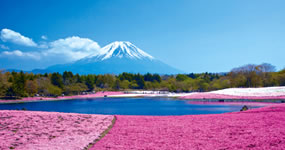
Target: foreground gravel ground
(28, 130)
(262, 128)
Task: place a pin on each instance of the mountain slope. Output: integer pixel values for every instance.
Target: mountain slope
(116, 58)
(120, 49)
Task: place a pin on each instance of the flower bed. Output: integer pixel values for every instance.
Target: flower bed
(241, 93)
(262, 128)
(50, 130)
(207, 95)
(261, 104)
(262, 91)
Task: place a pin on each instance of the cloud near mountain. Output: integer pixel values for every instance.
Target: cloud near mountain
(59, 51)
(73, 48)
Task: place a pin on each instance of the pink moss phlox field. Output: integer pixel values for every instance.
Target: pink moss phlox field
(224, 96)
(98, 94)
(261, 104)
(25, 130)
(262, 128)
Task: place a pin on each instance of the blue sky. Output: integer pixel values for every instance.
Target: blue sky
(191, 35)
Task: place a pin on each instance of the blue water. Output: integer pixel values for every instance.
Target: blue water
(125, 106)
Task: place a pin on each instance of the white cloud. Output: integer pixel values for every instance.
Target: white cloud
(60, 51)
(4, 47)
(17, 38)
(33, 55)
(43, 45)
(44, 37)
(73, 48)
(16, 52)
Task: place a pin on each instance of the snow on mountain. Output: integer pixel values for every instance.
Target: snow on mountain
(116, 58)
(120, 49)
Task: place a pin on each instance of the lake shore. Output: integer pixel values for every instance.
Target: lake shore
(88, 96)
(265, 94)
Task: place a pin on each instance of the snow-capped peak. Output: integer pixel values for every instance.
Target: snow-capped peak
(121, 49)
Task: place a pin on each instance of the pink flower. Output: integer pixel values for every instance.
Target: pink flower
(262, 128)
(50, 130)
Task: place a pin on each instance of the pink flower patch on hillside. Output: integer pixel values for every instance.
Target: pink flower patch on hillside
(261, 104)
(262, 128)
(261, 91)
(50, 130)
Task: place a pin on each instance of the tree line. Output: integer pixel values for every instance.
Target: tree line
(15, 85)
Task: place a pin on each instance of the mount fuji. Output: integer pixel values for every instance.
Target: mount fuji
(116, 58)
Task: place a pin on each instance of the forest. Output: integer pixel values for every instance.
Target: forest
(19, 84)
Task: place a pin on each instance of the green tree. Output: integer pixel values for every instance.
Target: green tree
(90, 82)
(156, 77)
(125, 84)
(181, 77)
(133, 85)
(68, 78)
(281, 77)
(117, 85)
(57, 80)
(4, 84)
(75, 88)
(18, 85)
(53, 90)
(140, 81)
(31, 87)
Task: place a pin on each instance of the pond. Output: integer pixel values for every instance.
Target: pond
(126, 106)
